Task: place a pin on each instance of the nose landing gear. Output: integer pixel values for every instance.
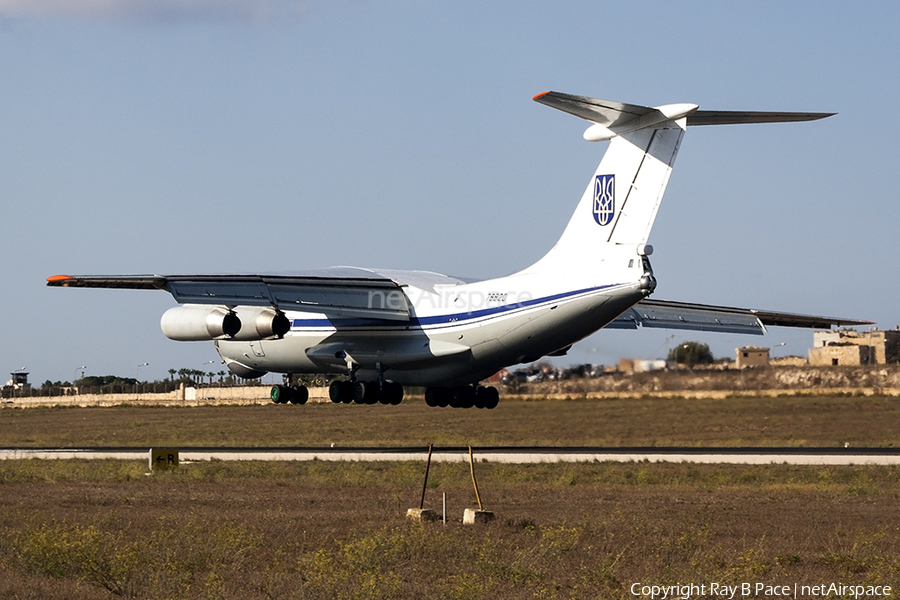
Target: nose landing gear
(282, 394)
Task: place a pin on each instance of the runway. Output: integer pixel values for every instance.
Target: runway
(498, 454)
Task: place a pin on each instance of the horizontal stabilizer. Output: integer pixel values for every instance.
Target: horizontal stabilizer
(595, 110)
(667, 314)
(615, 118)
(738, 117)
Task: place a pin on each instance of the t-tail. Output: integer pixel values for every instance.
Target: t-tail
(615, 215)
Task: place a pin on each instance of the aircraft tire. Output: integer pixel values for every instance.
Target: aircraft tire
(490, 397)
(299, 395)
(347, 392)
(340, 392)
(392, 393)
(374, 393)
(462, 397)
(364, 392)
(480, 397)
(468, 400)
(437, 397)
(280, 394)
(334, 392)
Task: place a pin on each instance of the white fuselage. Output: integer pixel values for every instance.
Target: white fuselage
(459, 332)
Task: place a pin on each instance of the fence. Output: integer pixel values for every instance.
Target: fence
(183, 396)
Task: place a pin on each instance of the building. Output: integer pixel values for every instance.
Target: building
(751, 356)
(855, 347)
(19, 381)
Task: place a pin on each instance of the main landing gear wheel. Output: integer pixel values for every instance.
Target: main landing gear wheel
(437, 397)
(365, 392)
(391, 393)
(486, 397)
(299, 395)
(463, 396)
(341, 392)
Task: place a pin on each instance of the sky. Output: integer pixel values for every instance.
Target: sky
(195, 136)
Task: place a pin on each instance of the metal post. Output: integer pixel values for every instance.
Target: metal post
(475, 483)
(425, 483)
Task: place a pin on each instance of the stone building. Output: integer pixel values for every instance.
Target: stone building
(751, 356)
(855, 347)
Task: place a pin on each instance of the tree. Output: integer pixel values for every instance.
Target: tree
(691, 353)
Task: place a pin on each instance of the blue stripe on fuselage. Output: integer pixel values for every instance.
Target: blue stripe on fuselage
(454, 319)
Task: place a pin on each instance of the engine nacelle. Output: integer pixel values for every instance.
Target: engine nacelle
(199, 323)
(260, 323)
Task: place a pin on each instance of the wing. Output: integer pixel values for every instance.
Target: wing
(342, 291)
(703, 317)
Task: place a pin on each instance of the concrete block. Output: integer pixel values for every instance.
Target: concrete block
(423, 515)
(471, 516)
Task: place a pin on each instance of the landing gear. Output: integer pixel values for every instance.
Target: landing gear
(464, 396)
(366, 392)
(341, 392)
(282, 394)
(391, 393)
(487, 397)
(437, 397)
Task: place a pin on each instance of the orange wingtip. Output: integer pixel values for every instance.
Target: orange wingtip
(59, 277)
(539, 95)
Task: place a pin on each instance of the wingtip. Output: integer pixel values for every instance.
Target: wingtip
(58, 278)
(536, 96)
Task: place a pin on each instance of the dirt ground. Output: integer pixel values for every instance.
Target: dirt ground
(337, 530)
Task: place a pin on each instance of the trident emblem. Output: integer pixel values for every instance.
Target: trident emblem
(604, 199)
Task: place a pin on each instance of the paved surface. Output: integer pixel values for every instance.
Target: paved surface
(756, 456)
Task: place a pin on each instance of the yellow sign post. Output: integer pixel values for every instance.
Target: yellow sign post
(163, 458)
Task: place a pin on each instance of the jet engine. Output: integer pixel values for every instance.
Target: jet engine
(200, 323)
(260, 323)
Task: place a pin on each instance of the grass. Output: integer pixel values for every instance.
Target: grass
(291, 530)
(330, 530)
(788, 421)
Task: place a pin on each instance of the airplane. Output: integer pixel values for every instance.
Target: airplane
(378, 330)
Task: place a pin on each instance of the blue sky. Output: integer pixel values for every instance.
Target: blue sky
(184, 136)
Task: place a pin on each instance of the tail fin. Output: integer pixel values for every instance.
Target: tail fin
(620, 203)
